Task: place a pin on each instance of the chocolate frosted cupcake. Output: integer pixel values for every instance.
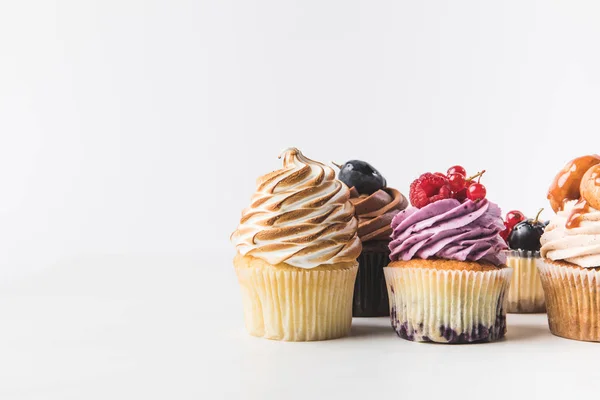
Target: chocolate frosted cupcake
(570, 268)
(297, 246)
(447, 281)
(375, 206)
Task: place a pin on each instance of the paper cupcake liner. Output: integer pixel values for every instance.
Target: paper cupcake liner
(370, 292)
(526, 294)
(572, 300)
(448, 306)
(295, 304)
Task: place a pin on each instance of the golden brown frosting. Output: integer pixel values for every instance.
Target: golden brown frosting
(300, 215)
(376, 211)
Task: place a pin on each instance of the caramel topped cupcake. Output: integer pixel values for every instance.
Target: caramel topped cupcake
(570, 271)
(375, 205)
(447, 281)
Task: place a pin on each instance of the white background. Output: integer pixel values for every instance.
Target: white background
(131, 133)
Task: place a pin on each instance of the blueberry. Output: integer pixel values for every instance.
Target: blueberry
(526, 235)
(362, 176)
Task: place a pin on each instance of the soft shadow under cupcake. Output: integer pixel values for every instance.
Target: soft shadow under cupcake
(535, 326)
(372, 327)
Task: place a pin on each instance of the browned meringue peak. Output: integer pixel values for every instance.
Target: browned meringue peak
(376, 211)
(300, 215)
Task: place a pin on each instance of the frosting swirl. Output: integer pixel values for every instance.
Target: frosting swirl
(300, 215)
(376, 211)
(449, 229)
(578, 245)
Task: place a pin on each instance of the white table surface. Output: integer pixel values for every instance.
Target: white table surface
(170, 327)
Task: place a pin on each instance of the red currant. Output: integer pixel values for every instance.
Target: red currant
(461, 195)
(476, 192)
(513, 218)
(456, 182)
(457, 169)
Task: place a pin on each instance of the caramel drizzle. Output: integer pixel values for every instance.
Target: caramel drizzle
(576, 216)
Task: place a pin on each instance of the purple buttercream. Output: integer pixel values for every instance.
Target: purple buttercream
(449, 229)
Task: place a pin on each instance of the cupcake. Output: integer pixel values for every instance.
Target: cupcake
(297, 246)
(523, 256)
(447, 281)
(570, 268)
(375, 205)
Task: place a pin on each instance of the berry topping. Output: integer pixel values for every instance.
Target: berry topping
(476, 191)
(512, 218)
(429, 188)
(526, 234)
(362, 176)
(457, 169)
(456, 182)
(461, 195)
(436, 186)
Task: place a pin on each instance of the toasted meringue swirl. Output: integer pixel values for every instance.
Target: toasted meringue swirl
(300, 215)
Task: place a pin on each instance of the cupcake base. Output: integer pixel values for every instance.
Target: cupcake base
(440, 301)
(572, 300)
(282, 302)
(526, 294)
(370, 293)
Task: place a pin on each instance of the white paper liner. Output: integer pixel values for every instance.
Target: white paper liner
(526, 294)
(572, 300)
(296, 304)
(448, 306)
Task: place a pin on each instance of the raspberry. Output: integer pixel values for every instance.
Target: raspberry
(429, 188)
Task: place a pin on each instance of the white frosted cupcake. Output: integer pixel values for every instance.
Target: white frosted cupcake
(297, 247)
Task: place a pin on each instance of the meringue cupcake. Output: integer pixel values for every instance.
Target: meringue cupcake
(523, 235)
(297, 246)
(570, 271)
(375, 205)
(447, 280)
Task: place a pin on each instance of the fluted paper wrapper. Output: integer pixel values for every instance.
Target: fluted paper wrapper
(526, 294)
(370, 292)
(448, 306)
(572, 300)
(295, 304)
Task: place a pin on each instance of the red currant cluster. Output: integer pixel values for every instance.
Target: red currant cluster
(512, 219)
(429, 188)
(463, 187)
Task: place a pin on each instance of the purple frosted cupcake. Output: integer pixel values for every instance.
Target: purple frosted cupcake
(447, 281)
